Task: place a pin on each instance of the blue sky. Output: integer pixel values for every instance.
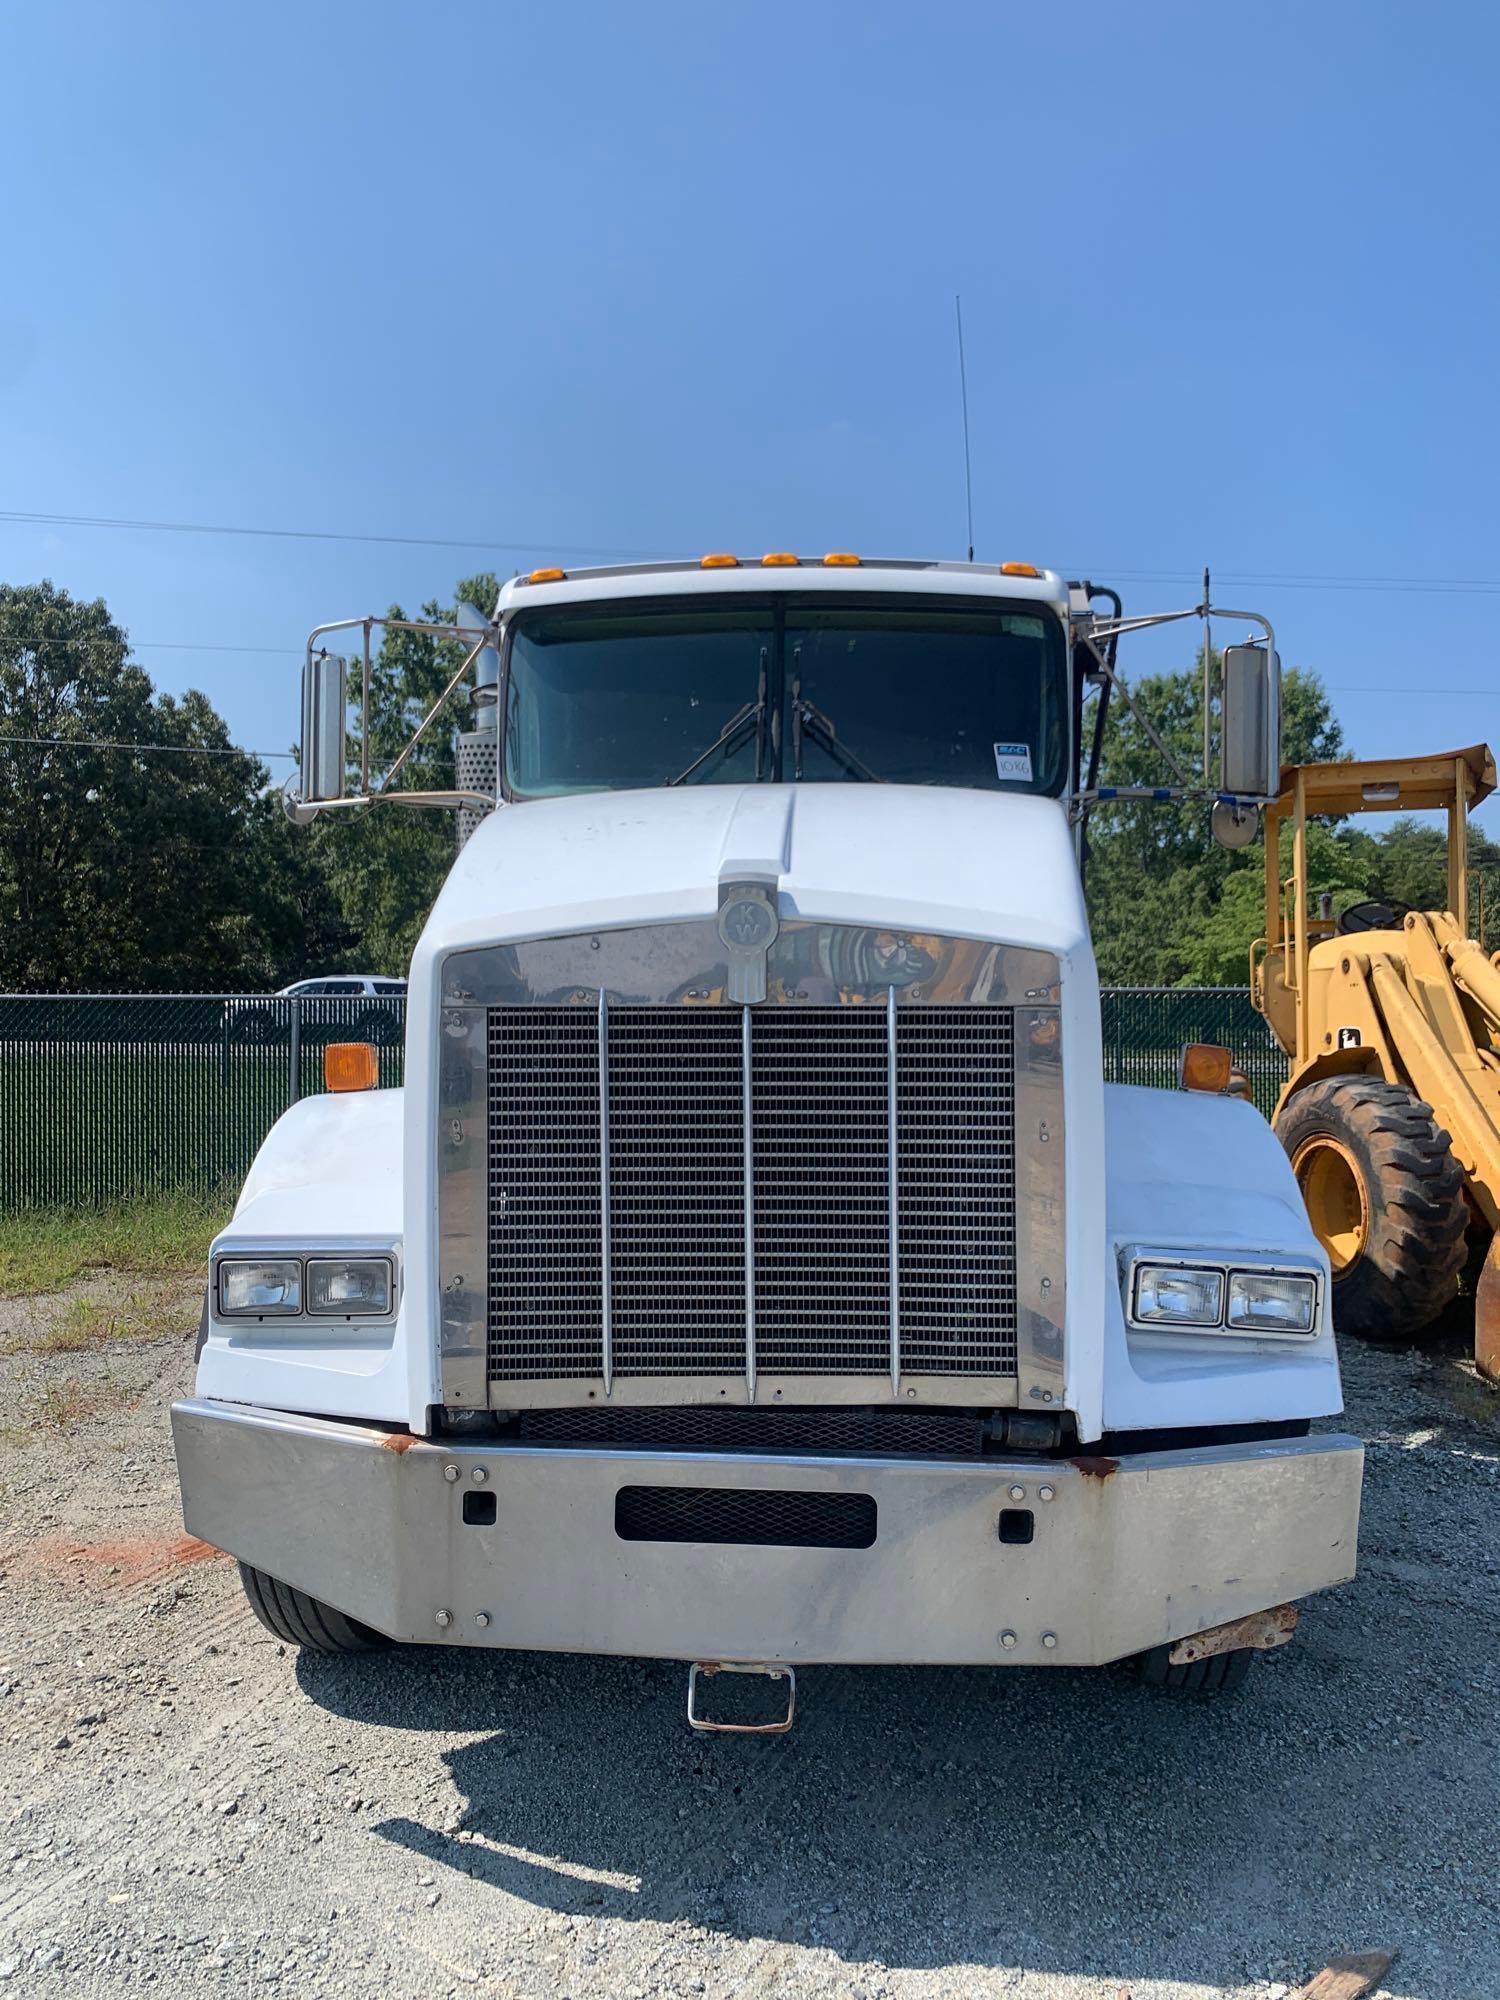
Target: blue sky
(666, 279)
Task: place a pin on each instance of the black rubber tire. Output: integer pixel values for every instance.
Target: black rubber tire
(301, 1620)
(1220, 1673)
(1414, 1250)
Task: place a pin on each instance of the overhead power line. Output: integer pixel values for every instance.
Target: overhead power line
(167, 749)
(1432, 586)
(490, 544)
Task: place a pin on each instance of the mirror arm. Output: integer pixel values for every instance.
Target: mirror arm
(485, 639)
(301, 814)
(1112, 679)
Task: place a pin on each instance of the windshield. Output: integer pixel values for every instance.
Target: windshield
(844, 692)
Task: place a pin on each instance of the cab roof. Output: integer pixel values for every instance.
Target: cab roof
(748, 575)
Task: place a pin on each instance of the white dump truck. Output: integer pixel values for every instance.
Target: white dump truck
(755, 1268)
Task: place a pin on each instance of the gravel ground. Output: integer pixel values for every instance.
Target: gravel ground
(190, 1807)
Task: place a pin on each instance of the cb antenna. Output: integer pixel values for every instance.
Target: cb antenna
(963, 393)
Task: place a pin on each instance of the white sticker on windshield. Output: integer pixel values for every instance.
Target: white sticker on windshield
(1013, 762)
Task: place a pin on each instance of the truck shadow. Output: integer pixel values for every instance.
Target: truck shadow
(1060, 1821)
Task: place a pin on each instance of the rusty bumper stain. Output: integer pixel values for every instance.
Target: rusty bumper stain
(1261, 1631)
(1096, 1468)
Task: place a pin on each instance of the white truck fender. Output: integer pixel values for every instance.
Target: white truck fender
(1190, 1173)
(328, 1176)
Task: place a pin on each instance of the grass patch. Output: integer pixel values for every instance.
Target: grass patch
(166, 1235)
(84, 1326)
(61, 1405)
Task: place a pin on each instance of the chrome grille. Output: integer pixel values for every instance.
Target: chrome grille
(780, 1191)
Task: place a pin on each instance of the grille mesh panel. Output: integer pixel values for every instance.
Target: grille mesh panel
(724, 1514)
(840, 1433)
(546, 1265)
(821, 1165)
(677, 1203)
(955, 1152)
(822, 1214)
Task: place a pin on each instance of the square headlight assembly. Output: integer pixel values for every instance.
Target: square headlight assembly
(1178, 1295)
(1273, 1302)
(349, 1287)
(260, 1287)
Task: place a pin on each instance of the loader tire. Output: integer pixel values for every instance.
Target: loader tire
(1385, 1197)
(300, 1620)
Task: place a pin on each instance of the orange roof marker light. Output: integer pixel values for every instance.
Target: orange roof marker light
(780, 559)
(1019, 569)
(546, 576)
(350, 1066)
(840, 559)
(1205, 1067)
(719, 562)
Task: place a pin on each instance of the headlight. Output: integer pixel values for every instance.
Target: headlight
(344, 1286)
(1265, 1302)
(1172, 1295)
(259, 1287)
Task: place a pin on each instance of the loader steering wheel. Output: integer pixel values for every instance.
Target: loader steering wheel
(1379, 914)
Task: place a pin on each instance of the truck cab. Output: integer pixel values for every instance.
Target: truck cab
(755, 1268)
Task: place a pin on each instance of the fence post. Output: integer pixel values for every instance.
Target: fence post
(296, 1076)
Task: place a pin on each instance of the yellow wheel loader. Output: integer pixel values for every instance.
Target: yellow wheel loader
(1391, 1019)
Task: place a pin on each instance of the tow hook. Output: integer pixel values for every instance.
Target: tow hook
(707, 1669)
(1261, 1632)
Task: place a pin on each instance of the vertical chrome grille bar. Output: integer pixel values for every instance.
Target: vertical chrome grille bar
(749, 1143)
(894, 1187)
(606, 1274)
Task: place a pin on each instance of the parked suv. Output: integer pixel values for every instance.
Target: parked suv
(373, 1010)
(343, 986)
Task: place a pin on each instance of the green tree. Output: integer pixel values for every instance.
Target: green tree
(386, 865)
(137, 866)
(1157, 879)
(1412, 867)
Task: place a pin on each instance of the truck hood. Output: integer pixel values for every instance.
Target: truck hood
(989, 865)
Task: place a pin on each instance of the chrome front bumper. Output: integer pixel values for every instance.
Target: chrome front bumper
(1124, 1554)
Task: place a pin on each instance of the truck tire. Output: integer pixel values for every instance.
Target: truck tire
(1385, 1197)
(1220, 1673)
(301, 1620)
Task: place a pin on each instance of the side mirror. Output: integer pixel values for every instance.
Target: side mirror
(1250, 723)
(324, 718)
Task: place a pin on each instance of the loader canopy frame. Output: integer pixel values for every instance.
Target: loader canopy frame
(1454, 781)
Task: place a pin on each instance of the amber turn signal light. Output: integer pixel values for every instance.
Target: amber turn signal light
(1205, 1066)
(350, 1066)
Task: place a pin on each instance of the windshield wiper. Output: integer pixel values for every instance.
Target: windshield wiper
(809, 720)
(735, 732)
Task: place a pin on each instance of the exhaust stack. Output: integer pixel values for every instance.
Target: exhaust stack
(475, 749)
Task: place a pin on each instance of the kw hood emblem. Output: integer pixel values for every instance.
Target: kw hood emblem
(748, 927)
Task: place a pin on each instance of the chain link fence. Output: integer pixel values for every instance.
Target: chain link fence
(1146, 1028)
(104, 1097)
